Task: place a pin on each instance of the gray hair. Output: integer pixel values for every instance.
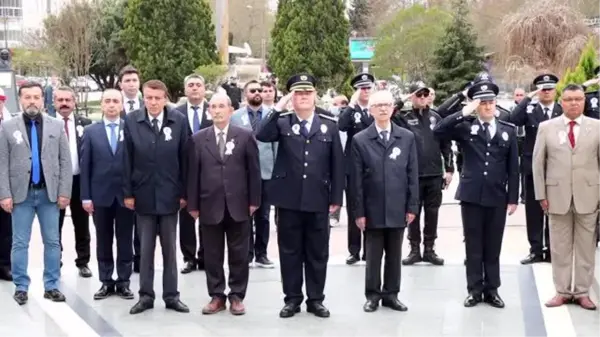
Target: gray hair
(381, 96)
(220, 95)
(192, 77)
(112, 90)
(68, 89)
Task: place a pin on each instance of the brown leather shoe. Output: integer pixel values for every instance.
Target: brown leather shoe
(557, 301)
(237, 307)
(586, 303)
(215, 305)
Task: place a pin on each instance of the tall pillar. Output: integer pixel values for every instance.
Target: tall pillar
(222, 27)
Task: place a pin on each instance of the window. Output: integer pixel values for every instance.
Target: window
(11, 35)
(11, 3)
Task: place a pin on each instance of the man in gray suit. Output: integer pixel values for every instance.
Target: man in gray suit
(249, 117)
(35, 179)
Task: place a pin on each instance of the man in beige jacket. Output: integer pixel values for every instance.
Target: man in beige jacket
(566, 175)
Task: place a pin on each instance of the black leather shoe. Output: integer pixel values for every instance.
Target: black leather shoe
(532, 258)
(188, 267)
(494, 300)
(20, 297)
(430, 256)
(104, 292)
(125, 293)
(352, 259)
(472, 300)
(414, 256)
(394, 304)
(141, 306)
(84, 271)
(178, 306)
(5, 274)
(289, 310)
(54, 295)
(371, 306)
(318, 310)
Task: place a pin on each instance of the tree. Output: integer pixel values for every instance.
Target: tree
(109, 51)
(312, 36)
(168, 39)
(406, 44)
(359, 15)
(213, 74)
(583, 71)
(544, 35)
(457, 58)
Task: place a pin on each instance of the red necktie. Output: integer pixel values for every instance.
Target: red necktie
(66, 126)
(571, 133)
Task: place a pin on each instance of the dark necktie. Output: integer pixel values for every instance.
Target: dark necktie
(35, 155)
(196, 125)
(131, 105)
(546, 115)
(486, 129)
(155, 126)
(303, 130)
(384, 136)
(221, 144)
(255, 119)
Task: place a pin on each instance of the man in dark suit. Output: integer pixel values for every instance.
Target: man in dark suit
(307, 184)
(488, 187)
(530, 114)
(224, 189)
(353, 119)
(155, 143)
(74, 124)
(198, 117)
(102, 197)
(385, 178)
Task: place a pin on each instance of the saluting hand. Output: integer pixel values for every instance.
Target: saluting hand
(283, 102)
(591, 82)
(361, 223)
(534, 93)
(470, 108)
(512, 208)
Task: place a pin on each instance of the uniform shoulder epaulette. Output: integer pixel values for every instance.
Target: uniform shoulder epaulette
(287, 113)
(506, 123)
(327, 117)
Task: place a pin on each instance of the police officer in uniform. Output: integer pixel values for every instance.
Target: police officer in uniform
(433, 174)
(307, 184)
(488, 187)
(592, 98)
(352, 120)
(529, 114)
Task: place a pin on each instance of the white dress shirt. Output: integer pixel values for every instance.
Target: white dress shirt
(136, 103)
(217, 131)
(550, 108)
(388, 129)
(72, 142)
(491, 127)
(576, 128)
(108, 129)
(159, 117)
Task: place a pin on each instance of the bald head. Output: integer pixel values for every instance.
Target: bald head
(111, 104)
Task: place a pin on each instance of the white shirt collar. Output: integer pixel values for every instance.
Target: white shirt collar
(577, 120)
(309, 120)
(388, 129)
(200, 106)
(225, 130)
(159, 117)
(550, 107)
(107, 122)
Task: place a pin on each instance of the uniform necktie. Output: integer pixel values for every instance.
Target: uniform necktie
(196, 126)
(546, 115)
(221, 144)
(486, 129)
(131, 104)
(303, 130)
(384, 136)
(35, 155)
(66, 119)
(155, 126)
(571, 133)
(113, 137)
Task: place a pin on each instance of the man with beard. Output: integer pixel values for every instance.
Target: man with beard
(352, 120)
(64, 102)
(249, 117)
(196, 113)
(32, 184)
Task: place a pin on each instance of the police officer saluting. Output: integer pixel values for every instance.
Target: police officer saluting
(307, 184)
(353, 120)
(592, 97)
(530, 114)
(433, 174)
(491, 164)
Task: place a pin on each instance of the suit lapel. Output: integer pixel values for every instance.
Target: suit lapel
(23, 129)
(315, 126)
(211, 144)
(45, 132)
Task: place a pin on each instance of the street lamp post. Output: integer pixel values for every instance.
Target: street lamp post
(223, 30)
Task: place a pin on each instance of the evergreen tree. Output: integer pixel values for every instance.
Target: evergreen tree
(359, 16)
(583, 71)
(312, 36)
(168, 39)
(458, 58)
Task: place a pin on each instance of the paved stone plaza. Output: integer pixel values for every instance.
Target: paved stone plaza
(434, 296)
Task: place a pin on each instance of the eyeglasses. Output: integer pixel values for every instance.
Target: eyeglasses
(422, 95)
(381, 105)
(254, 91)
